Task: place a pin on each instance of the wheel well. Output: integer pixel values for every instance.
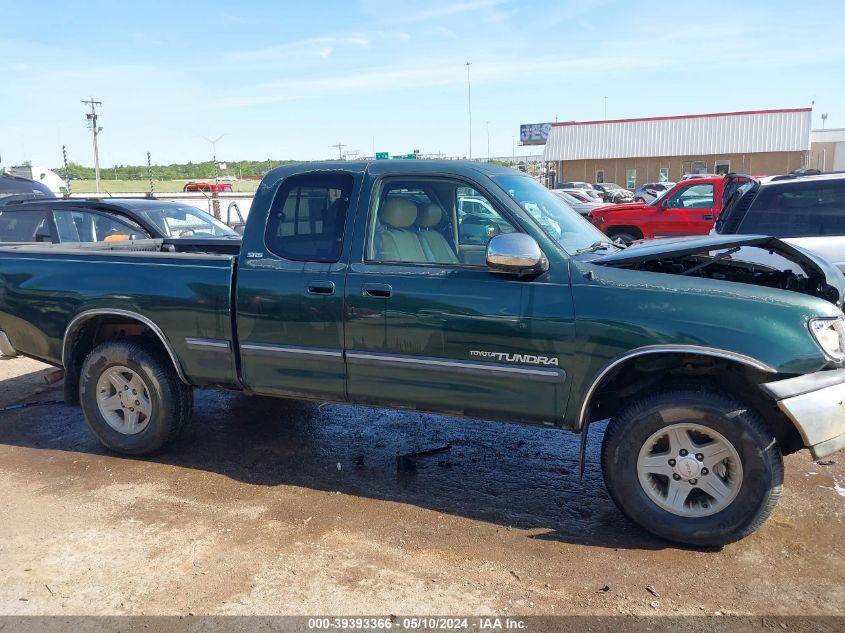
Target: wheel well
(627, 381)
(630, 230)
(84, 335)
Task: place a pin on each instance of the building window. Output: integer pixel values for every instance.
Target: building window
(600, 176)
(664, 174)
(722, 167)
(699, 167)
(631, 179)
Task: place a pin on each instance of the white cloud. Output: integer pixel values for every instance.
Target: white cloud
(388, 10)
(425, 77)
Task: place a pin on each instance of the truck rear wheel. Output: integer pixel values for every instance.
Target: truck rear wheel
(132, 398)
(692, 466)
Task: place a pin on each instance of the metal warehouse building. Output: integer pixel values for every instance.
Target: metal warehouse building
(631, 152)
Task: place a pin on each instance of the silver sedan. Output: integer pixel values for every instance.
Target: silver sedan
(576, 205)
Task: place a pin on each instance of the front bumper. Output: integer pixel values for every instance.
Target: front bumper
(816, 405)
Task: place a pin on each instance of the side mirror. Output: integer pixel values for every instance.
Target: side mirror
(516, 253)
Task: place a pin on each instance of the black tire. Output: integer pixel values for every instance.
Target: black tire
(171, 399)
(753, 441)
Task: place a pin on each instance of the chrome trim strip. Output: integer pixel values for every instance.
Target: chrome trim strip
(208, 344)
(268, 349)
(667, 349)
(422, 362)
(87, 314)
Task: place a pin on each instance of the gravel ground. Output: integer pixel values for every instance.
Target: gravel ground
(282, 507)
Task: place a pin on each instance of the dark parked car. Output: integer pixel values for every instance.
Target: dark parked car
(16, 188)
(611, 192)
(87, 220)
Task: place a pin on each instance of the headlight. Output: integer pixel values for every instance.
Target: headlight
(830, 335)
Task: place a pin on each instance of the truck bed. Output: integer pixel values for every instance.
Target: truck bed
(188, 295)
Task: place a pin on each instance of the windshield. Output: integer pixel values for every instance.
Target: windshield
(176, 220)
(660, 196)
(564, 225)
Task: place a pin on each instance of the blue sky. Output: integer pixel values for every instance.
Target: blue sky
(289, 79)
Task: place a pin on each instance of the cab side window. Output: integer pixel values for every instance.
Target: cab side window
(432, 221)
(308, 216)
(692, 197)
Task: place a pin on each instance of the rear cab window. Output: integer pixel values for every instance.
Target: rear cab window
(797, 209)
(308, 217)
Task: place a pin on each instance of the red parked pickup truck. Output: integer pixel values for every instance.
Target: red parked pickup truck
(208, 186)
(689, 208)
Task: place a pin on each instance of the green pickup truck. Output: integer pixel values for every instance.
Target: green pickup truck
(376, 283)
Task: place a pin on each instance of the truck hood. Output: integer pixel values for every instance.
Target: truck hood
(625, 206)
(681, 255)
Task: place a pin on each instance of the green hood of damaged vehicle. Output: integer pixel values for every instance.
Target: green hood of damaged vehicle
(640, 297)
(654, 250)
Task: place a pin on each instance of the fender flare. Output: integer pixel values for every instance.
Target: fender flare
(77, 321)
(583, 423)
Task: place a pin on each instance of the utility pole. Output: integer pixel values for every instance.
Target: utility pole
(95, 131)
(339, 147)
(605, 108)
(469, 108)
(150, 174)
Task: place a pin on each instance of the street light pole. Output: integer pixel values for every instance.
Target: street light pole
(469, 108)
(488, 141)
(95, 130)
(605, 108)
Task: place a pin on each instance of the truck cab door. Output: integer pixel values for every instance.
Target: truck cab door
(690, 210)
(429, 326)
(290, 285)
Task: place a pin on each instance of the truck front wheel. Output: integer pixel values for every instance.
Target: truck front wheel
(132, 398)
(692, 466)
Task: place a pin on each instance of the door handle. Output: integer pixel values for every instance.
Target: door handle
(709, 216)
(382, 291)
(320, 288)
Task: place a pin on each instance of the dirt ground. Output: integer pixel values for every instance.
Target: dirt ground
(281, 507)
